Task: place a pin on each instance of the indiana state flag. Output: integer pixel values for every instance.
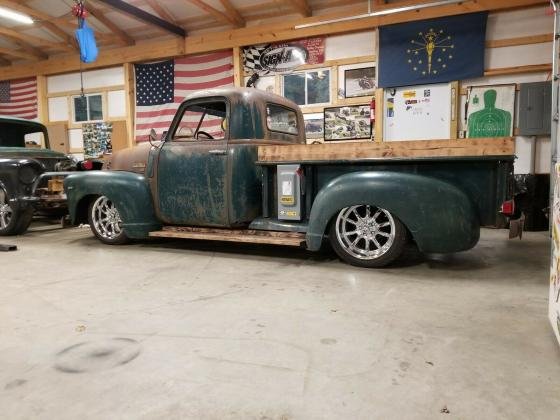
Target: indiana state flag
(432, 51)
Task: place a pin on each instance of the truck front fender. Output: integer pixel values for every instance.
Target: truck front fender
(439, 216)
(129, 192)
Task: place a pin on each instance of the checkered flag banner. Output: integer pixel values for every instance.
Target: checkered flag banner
(251, 59)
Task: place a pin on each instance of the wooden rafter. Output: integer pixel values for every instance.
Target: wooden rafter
(17, 53)
(218, 15)
(233, 12)
(5, 62)
(44, 18)
(31, 49)
(32, 40)
(144, 16)
(301, 6)
(161, 10)
(122, 37)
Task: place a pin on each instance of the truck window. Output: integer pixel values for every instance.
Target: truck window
(279, 118)
(202, 121)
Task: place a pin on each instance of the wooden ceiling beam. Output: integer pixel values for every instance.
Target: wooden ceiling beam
(301, 7)
(218, 15)
(18, 54)
(31, 49)
(156, 50)
(144, 16)
(5, 62)
(121, 36)
(233, 12)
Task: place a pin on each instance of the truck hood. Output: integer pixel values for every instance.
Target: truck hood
(23, 152)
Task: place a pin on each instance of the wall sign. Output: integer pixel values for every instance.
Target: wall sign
(283, 57)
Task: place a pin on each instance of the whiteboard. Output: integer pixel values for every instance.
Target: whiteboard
(417, 112)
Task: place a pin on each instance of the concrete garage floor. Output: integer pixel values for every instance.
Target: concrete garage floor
(198, 330)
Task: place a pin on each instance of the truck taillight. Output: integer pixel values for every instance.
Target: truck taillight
(508, 208)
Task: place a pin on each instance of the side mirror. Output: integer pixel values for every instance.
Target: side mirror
(152, 137)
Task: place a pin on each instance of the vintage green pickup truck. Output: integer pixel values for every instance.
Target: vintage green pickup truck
(234, 166)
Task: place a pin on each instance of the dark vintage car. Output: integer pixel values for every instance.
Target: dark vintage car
(30, 175)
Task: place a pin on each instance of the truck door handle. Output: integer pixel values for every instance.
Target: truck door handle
(217, 152)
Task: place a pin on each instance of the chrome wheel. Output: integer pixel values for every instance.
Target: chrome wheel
(365, 232)
(6, 212)
(106, 219)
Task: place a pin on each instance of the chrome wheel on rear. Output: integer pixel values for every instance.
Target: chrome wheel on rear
(365, 232)
(105, 219)
(367, 236)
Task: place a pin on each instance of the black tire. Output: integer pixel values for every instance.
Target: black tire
(13, 221)
(355, 247)
(111, 231)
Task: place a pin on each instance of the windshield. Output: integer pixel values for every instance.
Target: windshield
(15, 134)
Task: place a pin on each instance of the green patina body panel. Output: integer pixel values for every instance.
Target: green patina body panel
(130, 192)
(31, 153)
(442, 201)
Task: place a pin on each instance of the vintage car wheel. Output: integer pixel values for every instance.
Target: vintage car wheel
(367, 236)
(105, 221)
(12, 221)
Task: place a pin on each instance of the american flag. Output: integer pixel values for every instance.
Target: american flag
(18, 98)
(162, 86)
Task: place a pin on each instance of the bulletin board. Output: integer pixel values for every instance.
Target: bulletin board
(419, 112)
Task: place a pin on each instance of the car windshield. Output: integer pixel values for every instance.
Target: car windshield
(15, 134)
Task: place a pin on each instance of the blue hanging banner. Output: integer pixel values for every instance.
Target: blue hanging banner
(86, 41)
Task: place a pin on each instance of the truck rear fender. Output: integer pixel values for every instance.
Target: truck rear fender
(130, 193)
(439, 216)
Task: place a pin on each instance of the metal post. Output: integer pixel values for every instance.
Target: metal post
(555, 105)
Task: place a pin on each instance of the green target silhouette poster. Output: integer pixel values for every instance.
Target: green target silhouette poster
(490, 111)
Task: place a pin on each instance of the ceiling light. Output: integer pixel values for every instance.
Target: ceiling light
(382, 13)
(18, 17)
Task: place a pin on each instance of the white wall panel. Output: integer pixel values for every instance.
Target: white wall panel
(518, 56)
(350, 45)
(92, 80)
(58, 109)
(76, 139)
(542, 156)
(116, 104)
(523, 22)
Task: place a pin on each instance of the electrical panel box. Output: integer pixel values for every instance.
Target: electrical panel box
(289, 192)
(535, 108)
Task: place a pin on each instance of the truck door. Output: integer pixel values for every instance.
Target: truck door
(192, 166)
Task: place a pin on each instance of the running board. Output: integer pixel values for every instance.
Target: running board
(232, 235)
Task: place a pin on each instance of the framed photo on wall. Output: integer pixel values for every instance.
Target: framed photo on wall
(347, 123)
(490, 111)
(314, 126)
(359, 82)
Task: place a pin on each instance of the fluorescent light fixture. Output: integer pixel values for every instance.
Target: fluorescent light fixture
(18, 17)
(382, 13)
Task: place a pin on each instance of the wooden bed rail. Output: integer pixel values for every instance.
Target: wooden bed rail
(495, 146)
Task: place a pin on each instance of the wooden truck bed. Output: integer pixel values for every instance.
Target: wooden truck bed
(329, 152)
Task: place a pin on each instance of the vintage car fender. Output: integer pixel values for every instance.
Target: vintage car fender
(439, 216)
(130, 193)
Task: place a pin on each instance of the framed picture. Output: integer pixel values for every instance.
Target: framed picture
(490, 111)
(359, 82)
(347, 123)
(314, 126)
